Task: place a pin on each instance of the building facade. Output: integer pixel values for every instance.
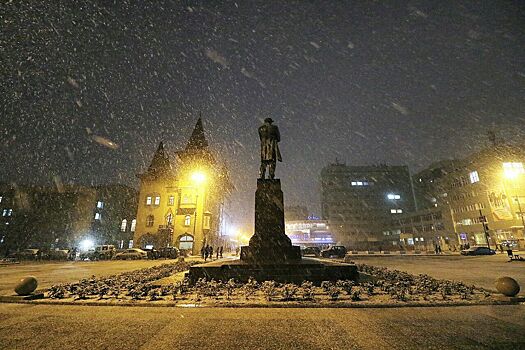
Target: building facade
(61, 217)
(486, 197)
(181, 201)
(425, 229)
(309, 233)
(361, 202)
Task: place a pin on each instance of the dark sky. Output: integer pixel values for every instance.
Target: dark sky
(397, 82)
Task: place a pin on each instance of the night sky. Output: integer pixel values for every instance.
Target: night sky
(89, 88)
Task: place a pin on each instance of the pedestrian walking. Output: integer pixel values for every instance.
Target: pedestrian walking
(206, 252)
(221, 251)
(211, 253)
(217, 254)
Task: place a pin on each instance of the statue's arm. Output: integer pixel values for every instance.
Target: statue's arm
(278, 134)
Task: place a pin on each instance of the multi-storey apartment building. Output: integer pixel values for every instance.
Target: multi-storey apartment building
(361, 202)
(487, 190)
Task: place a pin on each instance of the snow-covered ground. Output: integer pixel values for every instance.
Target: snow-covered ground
(49, 273)
(478, 270)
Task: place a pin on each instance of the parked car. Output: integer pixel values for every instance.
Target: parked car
(478, 251)
(131, 254)
(152, 253)
(337, 251)
(57, 254)
(169, 253)
(99, 252)
(311, 251)
(26, 254)
(104, 252)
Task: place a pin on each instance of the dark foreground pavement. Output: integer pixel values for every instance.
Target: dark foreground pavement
(24, 326)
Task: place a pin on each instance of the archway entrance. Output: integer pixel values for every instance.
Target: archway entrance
(186, 242)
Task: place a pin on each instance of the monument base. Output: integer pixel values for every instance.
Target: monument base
(273, 254)
(291, 272)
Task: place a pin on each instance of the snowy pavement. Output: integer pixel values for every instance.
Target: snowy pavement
(49, 273)
(24, 326)
(478, 270)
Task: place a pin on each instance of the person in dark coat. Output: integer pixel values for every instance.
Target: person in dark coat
(221, 251)
(206, 252)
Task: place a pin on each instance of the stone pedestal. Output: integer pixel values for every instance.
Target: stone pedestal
(270, 254)
(269, 244)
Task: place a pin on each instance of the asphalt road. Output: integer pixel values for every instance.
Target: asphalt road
(481, 271)
(24, 326)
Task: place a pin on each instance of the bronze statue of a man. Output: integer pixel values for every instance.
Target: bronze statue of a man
(270, 154)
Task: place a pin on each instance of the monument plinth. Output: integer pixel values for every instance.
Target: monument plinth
(270, 244)
(270, 255)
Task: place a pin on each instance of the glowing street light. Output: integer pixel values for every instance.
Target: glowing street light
(512, 170)
(86, 244)
(198, 177)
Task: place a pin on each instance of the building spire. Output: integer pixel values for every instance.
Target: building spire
(160, 162)
(197, 140)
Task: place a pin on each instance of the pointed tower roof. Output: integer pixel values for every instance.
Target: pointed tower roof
(197, 140)
(161, 162)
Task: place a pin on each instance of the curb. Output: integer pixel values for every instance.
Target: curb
(270, 305)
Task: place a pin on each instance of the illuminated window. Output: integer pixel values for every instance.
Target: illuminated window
(98, 216)
(474, 177)
(186, 198)
(123, 225)
(130, 244)
(396, 211)
(171, 200)
(393, 196)
(150, 220)
(1, 199)
(354, 183)
(157, 200)
(359, 183)
(148, 200)
(206, 224)
(133, 225)
(100, 205)
(187, 220)
(4, 213)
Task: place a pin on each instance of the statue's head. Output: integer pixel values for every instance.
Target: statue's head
(268, 120)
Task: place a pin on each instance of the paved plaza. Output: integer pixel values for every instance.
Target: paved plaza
(478, 270)
(49, 273)
(26, 326)
(157, 328)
